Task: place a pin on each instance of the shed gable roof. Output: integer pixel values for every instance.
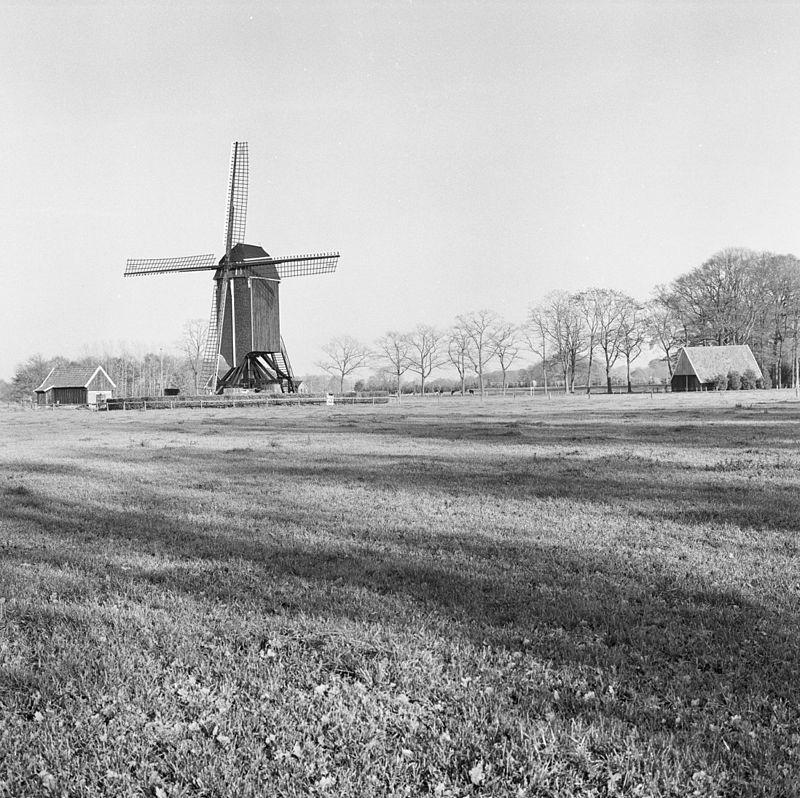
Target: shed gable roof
(72, 377)
(706, 362)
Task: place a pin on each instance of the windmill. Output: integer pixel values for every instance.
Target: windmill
(244, 348)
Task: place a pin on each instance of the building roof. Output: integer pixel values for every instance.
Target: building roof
(706, 362)
(244, 252)
(72, 377)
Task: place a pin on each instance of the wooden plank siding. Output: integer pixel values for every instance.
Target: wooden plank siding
(226, 338)
(241, 321)
(252, 318)
(66, 396)
(266, 316)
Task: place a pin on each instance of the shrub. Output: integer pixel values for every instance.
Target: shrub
(749, 380)
(720, 382)
(734, 380)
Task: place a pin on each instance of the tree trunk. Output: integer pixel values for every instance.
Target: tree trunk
(796, 375)
(544, 363)
(628, 369)
(572, 366)
(589, 375)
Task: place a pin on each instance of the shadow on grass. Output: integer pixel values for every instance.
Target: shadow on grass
(682, 653)
(776, 426)
(677, 641)
(741, 491)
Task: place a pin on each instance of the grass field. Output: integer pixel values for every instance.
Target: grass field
(575, 597)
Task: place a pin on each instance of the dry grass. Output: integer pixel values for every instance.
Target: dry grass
(590, 597)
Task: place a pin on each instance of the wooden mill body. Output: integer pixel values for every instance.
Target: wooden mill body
(251, 307)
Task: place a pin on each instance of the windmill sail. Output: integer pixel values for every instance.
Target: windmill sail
(208, 372)
(236, 212)
(293, 265)
(303, 265)
(190, 263)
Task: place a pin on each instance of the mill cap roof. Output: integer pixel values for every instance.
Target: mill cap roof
(244, 252)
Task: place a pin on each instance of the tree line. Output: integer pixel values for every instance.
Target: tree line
(136, 373)
(737, 296)
(473, 342)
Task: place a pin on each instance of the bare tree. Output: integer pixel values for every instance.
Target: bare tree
(458, 344)
(481, 328)
(610, 308)
(506, 346)
(29, 375)
(590, 303)
(424, 354)
(195, 333)
(665, 329)
(778, 279)
(565, 328)
(633, 326)
(720, 299)
(535, 331)
(393, 349)
(344, 356)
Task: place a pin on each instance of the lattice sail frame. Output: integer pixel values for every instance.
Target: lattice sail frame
(235, 225)
(209, 367)
(236, 211)
(190, 263)
(298, 265)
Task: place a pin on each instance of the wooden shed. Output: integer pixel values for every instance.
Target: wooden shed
(698, 366)
(75, 385)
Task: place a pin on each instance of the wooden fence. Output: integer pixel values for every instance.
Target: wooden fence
(233, 400)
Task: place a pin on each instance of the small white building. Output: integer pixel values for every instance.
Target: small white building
(75, 385)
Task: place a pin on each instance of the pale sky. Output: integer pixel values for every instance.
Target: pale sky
(459, 155)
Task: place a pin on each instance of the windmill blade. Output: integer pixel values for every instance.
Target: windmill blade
(302, 265)
(297, 265)
(210, 368)
(236, 211)
(191, 263)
